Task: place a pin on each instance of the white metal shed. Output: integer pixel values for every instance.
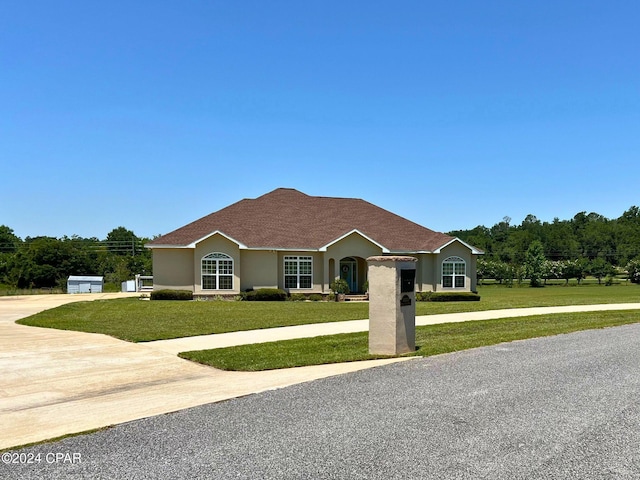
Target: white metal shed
(84, 284)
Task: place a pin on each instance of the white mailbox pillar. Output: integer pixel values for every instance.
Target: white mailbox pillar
(392, 305)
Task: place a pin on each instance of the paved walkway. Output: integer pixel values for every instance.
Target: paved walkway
(57, 382)
(220, 340)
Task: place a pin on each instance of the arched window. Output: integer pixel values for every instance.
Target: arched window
(454, 272)
(217, 272)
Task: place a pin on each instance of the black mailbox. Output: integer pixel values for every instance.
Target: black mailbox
(407, 280)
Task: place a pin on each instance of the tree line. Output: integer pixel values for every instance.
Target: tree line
(587, 244)
(47, 262)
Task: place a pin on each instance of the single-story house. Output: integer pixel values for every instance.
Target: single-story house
(301, 243)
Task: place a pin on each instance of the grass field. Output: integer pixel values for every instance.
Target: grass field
(498, 297)
(138, 321)
(135, 320)
(430, 340)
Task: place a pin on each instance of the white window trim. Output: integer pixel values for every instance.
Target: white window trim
(454, 261)
(297, 259)
(217, 257)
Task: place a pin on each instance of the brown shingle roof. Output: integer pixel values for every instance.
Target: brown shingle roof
(287, 218)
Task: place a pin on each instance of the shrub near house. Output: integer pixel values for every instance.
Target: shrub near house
(172, 295)
(265, 295)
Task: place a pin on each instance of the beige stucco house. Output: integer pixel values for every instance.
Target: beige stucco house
(300, 243)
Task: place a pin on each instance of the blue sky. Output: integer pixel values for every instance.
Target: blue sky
(453, 114)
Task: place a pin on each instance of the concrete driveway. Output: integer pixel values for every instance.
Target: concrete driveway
(561, 407)
(57, 382)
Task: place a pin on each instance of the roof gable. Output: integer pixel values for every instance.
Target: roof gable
(289, 219)
(354, 231)
(474, 250)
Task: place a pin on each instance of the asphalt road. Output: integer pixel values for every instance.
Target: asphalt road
(558, 407)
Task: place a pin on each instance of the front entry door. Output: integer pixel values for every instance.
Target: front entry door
(349, 272)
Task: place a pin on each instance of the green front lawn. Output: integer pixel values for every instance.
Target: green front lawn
(430, 340)
(137, 321)
(499, 297)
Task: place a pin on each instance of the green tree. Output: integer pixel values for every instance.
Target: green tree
(600, 268)
(6, 260)
(532, 226)
(569, 269)
(119, 271)
(479, 237)
(627, 236)
(9, 242)
(633, 270)
(535, 263)
(122, 241)
(631, 216)
(47, 262)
